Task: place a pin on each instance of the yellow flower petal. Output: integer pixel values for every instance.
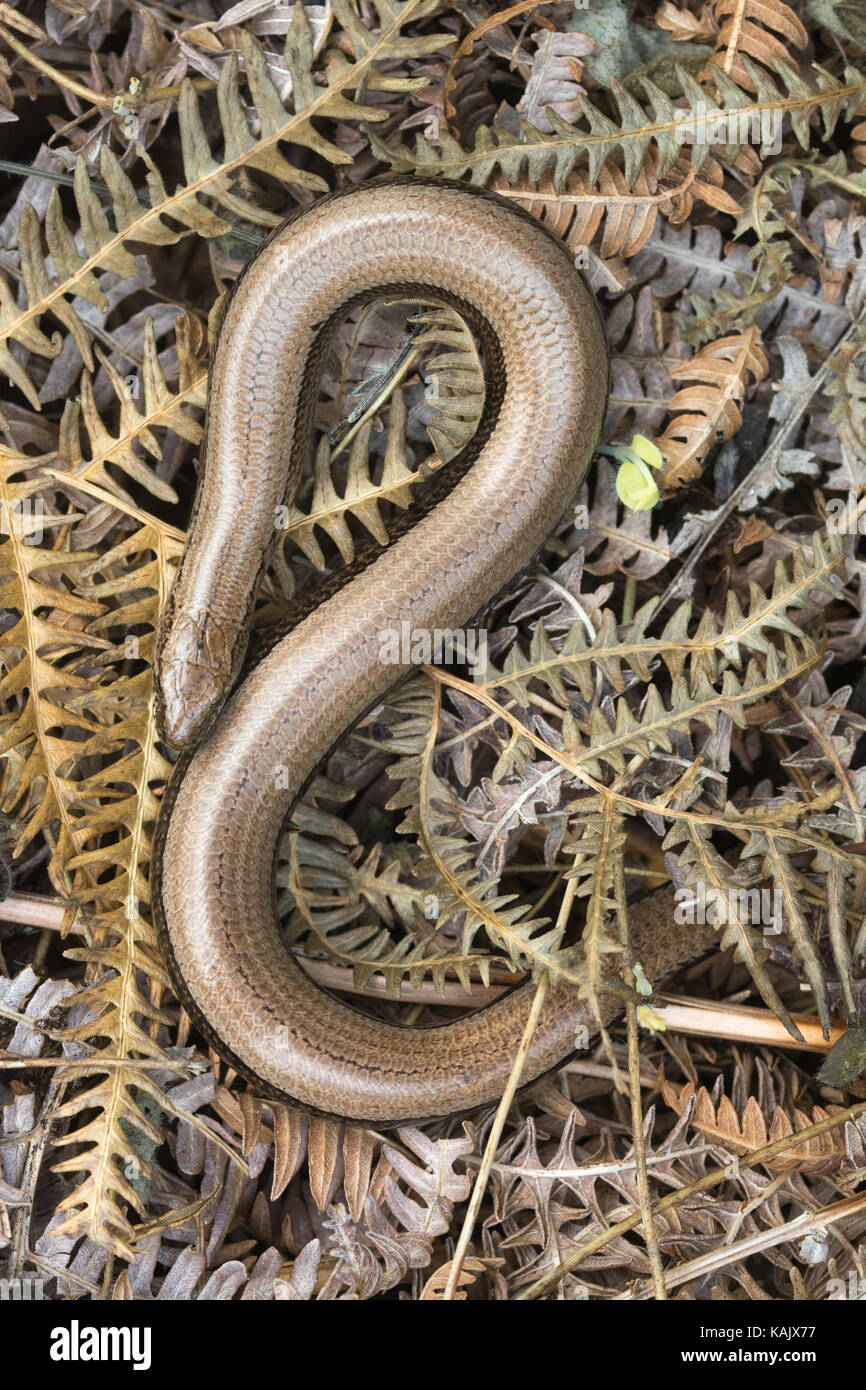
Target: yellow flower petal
(635, 486)
(646, 450)
(649, 1019)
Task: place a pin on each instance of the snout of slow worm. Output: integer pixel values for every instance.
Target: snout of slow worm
(546, 367)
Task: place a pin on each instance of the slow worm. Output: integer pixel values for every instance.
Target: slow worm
(546, 368)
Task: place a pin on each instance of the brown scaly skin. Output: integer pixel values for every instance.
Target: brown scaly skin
(547, 376)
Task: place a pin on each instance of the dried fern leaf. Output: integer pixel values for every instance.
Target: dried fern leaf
(449, 862)
(455, 390)
(161, 407)
(102, 857)
(628, 215)
(616, 650)
(206, 178)
(728, 906)
(456, 395)
(763, 30)
(533, 153)
(712, 407)
(748, 1132)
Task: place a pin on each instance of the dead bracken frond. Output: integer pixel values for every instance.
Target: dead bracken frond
(673, 694)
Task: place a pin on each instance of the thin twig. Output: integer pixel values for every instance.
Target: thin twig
(96, 1063)
(634, 1067)
(742, 1023)
(804, 1224)
(697, 1017)
(37, 910)
(593, 1170)
(643, 1189)
(124, 101)
(493, 1139)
